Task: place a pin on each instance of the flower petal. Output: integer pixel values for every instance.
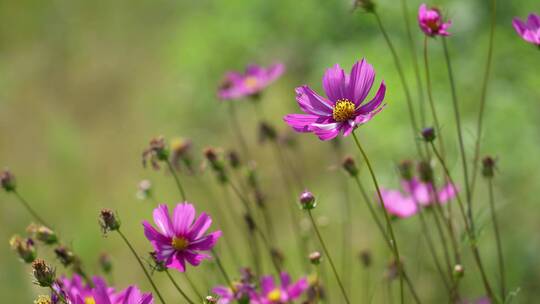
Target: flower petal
(334, 83)
(199, 227)
(285, 279)
(176, 261)
(361, 80)
(297, 288)
(376, 102)
(184, 214)
(312, 103)
(301, 122)
(206, 242)
(153, 235)
(267, 284)
(162, 220)
(326, 131)
(194, 258)
(447, 193)
(397, 204)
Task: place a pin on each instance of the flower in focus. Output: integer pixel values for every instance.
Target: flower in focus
(431, 21)
(415, 193)
(180, 238)
(251, 83)
(529, 30)
(342, 110)
(283, 293)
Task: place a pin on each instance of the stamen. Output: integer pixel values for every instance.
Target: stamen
(251, 82)
(274, 295)
(89, 300)
(343, 110)
(179, 243)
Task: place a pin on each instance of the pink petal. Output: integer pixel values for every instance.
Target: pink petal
(206, 242)
(376, 102)
(162, 220)
(326, 131)
(361, 80)
(334, 83)
(312, 103)
(267, 284)
(300, 122)
(176, 261)
(200, 226)
(153, 235)
(184, 214)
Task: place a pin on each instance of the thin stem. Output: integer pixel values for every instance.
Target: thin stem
(393, 240)
(222, 269)
(193, 286)
(327, 253)
(468, 228)
(177, 180)
(397, 62)
(237, 129)
(483, 94)
(30, 210)
(142, 266)
(184, 295)
(459, 132)
(497, 238)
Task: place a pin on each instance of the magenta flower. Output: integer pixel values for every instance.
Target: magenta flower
(529, 30)
(252, 82)
(280, 294)
(180, 239)
(431, 21)
(342, 111)
(415, 193)
(242, 291)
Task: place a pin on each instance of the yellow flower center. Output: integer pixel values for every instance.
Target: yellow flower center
(89, 300)
(343, 110)
(251, 82)
(274, 295)
(179, 243)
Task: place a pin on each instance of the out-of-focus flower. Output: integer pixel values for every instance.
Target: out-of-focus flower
(488, 166)
(241, 292)
(180, 239)
(342, 111)
(105, 262)
(42, 233)
(180, 154)
(144, 189)
(349, 165)
(42, 299)
(7, 181)
(529, 30)
(64, 255)
(157, 151)
(255, 79)
(24, 248)
(431, 21)
(44, 274)
(283, 293)
(367, 5)
(315, 258)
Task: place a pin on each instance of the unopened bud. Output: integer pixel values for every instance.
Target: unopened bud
(157, 151)
(488, 166)
(267, 132)
(234, 159)
(459, 271)
(144, 189)
(64, 255)
(24, 248)
(349, 165)
(406, 169)
(425, 172)
(42, 234)
(42, 299)
(315, 258)
(366, 5)
(365, 258)
(428, 134)
(105, 263)
(44, 274)
(210, 300)
(307, 200)
(108, 221)
(7, 180)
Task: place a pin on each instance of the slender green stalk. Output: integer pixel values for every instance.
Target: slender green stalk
(327, 253)
(142, 265)
(31, 210)
(393, 240)
(193, 286)
(483, 94)
(444, 243)
(470, 232)
(397, 62)
(237, 129)
(222, 269)
(497, 238)
(177, 180)
(459, 133)
(184, 295)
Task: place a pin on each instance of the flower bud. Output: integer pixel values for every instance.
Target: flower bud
(44, 275)
(157, 151)
(488, 166)
(24, 248)
(7, 180)
(64, 255)
(277, 256)
(250, 222)
(366, 5)
(180, 153)
(234, 159)
(105, 263)
(42, 234)
(405, 168)
(365, 258)
(315, 258)
(144, 189)
(210, 300)
(349, 165)
(459, 271)
(42, 299)
(108, 221)
(428, 134)
(307, 200)
(267, 132)
(425, 172)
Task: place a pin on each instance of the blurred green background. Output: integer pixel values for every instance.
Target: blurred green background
(84, 85)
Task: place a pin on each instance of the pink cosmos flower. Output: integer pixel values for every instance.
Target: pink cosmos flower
(241, 292)
(252, 82)
(280, 294)
(406, 203)
(342, 110)
(431, 21)
(529, 30)
(180, 239)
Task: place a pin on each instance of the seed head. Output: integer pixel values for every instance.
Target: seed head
(307, 200)
(42, 234)
(108, 221)
(44, 274)
(24, 248)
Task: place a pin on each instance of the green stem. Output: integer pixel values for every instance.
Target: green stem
(459, 133)
(497, 239)
(397, 62)
(483, 94)
(30, 210)
(142, 266)
(177, 180)
(193, 286)
(393, 240)
(327, 253)
(184, 295)
(468, 228)
(222, 269)
(237, 129)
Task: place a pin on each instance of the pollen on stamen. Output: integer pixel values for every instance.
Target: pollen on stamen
(343, 110)
(274, 295)
(179, 243)
(251, 82)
